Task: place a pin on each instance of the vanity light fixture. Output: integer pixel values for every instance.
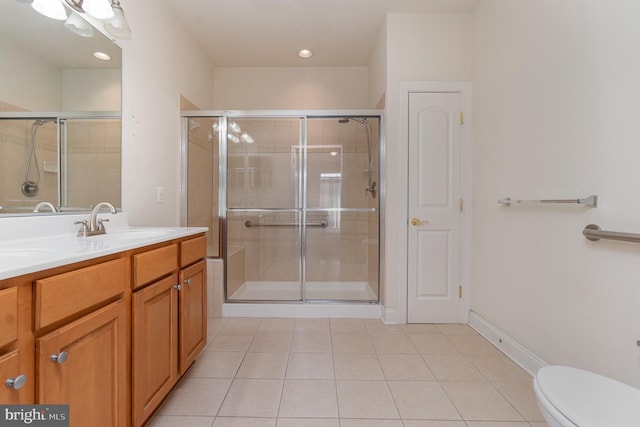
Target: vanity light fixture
(247, 138)
(118, 27)
(108, 11)
(305, 53)
(234, 127)
(98, 9)
(101, 55)
(50, 9)
(76, 24)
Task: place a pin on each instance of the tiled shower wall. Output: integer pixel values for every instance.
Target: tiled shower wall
(93, 162)
(14, 153)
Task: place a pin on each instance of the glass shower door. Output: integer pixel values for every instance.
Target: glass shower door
(264, 235)
(341, 242)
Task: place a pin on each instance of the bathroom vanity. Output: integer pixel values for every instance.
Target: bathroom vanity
(107, 324)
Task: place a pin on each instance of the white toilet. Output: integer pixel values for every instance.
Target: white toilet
(570, 397)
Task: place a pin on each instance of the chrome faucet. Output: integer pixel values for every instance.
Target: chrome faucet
(95, 225)
(45, 204)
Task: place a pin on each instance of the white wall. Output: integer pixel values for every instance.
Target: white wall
(160, 63)
(378, 69)
(290, 88)
(556, 114)
(28, 81)
(91, 90)
(420, 47)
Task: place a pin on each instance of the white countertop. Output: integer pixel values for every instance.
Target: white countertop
(30, 244)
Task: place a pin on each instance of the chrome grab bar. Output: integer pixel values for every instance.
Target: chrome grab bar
(321, 224)
(594, 233)
(591, 201)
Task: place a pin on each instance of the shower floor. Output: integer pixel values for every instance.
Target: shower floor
(290, 291)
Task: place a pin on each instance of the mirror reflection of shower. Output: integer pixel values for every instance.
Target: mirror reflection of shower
(371, 184)
(30, 187)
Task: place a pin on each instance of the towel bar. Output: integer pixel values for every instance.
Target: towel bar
(248, 224)
(594, 233)
(591, 201)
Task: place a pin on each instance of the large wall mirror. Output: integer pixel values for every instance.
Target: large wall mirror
(60, 115)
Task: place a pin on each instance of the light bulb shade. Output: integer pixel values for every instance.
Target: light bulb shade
(247, 138)
(50, 9)
(234, 127)
(99, 9)
(76, 24)
(118, 26)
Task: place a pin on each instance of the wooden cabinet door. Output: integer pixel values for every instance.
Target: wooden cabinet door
(155, 346)
(10, 370)
(93, 378)
(193, 313)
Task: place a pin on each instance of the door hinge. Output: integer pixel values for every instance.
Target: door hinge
(461, 205)
(461, 118)
(459, 291)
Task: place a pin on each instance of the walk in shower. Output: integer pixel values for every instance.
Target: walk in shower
(297, 199)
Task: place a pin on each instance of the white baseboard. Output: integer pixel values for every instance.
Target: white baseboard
(354, 311)
(391, 316)
(511, 348)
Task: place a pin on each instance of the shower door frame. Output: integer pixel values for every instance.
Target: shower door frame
(304, 115)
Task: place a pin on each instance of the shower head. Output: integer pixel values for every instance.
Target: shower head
(40, 122)
(361, 120)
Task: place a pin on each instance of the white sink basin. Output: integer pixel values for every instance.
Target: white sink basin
(137, 233)
(20, 255)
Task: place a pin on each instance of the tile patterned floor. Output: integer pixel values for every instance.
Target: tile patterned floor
(349, 373)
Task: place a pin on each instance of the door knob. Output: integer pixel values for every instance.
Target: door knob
(416, 221)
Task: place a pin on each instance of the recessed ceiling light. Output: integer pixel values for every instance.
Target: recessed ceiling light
(102, 55)
(305, 53)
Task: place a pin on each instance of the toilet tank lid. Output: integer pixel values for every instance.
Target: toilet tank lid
(589, 399)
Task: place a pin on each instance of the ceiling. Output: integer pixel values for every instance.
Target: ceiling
(251, 33)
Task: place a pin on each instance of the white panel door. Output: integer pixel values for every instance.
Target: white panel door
(434, 208)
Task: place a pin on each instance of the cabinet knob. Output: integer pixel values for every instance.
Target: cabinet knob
(59, 358)
(187, 281)
(178, 287)
(16, 383)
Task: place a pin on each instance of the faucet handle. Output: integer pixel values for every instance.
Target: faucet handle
(100, 223)
(84, 228)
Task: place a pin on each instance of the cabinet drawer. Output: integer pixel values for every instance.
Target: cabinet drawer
(154, 264)
(61, 296)
(9, 318)
(193, 250)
